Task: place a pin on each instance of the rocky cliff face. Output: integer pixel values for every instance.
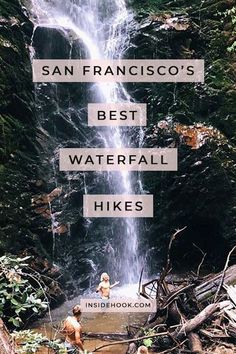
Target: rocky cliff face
(199, 119)
(19, 152)
(21, 141)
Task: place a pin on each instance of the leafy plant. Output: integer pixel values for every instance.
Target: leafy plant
(147, 5)
(29, 342)
(148, 342)
(231, 13)
(22, 292)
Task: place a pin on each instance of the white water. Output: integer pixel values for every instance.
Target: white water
(103, 26)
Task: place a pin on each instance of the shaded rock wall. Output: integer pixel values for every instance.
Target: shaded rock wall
(19, 149)
(201, 195)
(21, 170)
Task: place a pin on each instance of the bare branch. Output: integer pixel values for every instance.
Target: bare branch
(223, 274)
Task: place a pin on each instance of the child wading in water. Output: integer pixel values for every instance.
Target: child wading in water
(104, 287)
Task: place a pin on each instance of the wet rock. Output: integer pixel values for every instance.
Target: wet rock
(199, 195)
(60, 125)
(18, 162)
(51, 42)
(59, 229)
(46, 198)
(195, 195)
(198, 119)
(170, 21)
(27, 28)
(22, 175)
(43, 211)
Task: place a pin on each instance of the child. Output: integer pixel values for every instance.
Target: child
(142, 350)
(104, 287)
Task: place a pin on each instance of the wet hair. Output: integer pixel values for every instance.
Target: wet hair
(103, 275)
(142, 350)
(76, 310)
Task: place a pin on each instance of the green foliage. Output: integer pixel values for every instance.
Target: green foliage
(147, 5)
(149, 341)
(22, 293)
(154, 6)
(232, 48)
(9, 127)
(8, 9)
(232, 15)
(29, 342)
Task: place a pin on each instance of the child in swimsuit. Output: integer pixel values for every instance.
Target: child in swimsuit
(104, 287)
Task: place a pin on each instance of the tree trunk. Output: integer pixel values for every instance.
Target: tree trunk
(196, 322)
(6, 343)
(209, 288)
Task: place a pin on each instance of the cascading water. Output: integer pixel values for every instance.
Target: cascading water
(104, 27)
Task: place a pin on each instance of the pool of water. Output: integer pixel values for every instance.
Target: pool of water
(99, 322)
(94, 322)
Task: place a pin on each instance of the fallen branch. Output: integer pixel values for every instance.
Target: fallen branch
(210, 335)
(195, 322)
(109, 336)
(223, 273)
(208, 288)
(168, 260)
(168, 351)
(173, 296)
(202, 260)
(195, 342)
(140, 282)
(163, 334)
(133, 345)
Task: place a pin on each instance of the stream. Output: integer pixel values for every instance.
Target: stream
(112, 323)
(94, 322)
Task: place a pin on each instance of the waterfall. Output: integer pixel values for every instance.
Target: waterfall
(104, 28)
